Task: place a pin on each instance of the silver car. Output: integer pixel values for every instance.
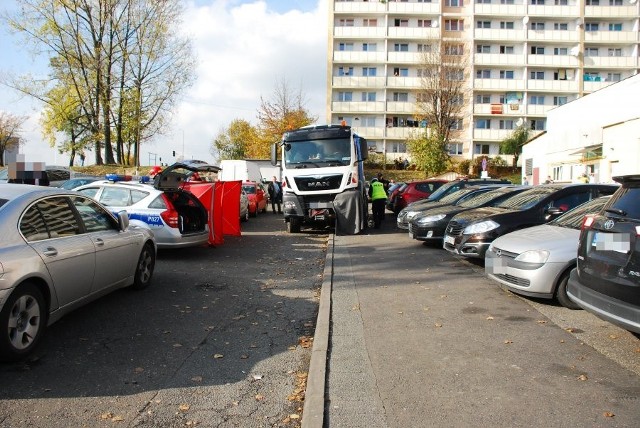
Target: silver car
(536, 261)
(58, 251)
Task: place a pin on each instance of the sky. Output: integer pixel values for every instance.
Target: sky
(244, 48)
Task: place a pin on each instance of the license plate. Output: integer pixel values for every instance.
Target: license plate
(449, 240)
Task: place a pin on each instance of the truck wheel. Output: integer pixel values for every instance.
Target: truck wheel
(293, 225)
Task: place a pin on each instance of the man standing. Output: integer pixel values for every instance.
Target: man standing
(275, 194)
(378, 197)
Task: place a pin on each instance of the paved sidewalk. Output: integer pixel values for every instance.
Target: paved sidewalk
(419, 338)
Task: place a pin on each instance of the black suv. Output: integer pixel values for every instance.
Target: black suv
(471, 232)
(606, 280)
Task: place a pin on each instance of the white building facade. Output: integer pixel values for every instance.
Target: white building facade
(597, 135)
(527, 57)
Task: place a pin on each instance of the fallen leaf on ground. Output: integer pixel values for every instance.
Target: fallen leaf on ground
(608, 414)
(184, 407)
(259, 397)
(508, 341)
(582, 377)
(217, 356)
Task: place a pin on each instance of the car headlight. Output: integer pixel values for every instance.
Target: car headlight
(411, 214)
(533, 256)
(430, 219)
(481, 227)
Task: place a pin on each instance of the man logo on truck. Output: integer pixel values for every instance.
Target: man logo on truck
(319, 184)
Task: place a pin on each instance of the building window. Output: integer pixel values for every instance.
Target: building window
(536, 75)
(615, 27)
(422, 97)
(401, 72)
(483, 49)
(506, 25)
(457, 100)
(537, 50)
(591, 52)
(483, 99)
(368, 96)
(345, 71)
(593, 3)
(456, 124)
(454, 24)
(349, 22)
(591, 26)
(561, 2)
(345, 47)
(345, 96)
(561, 51)
(453, 3)
(401, 47)
(561, 26)
(506, 74)
(537, 26)
(453, 50)
(425, 72)
(615, 2)
(560, 74)
(537, 124)
(538, 2)
(558, 101)
(454, 75)
(483, 1)
(507, 1)
(536, 100)
(424, 48)
(401, 96)
(483, 24)
(481, 149)
(369, 47)
(369, 71)
(455, 148)
(614, 52)
(508, 50)
(369, 22)
(505, 124)
(483, 123)
(483, 74)
(614, 77)
(424, 23)
(400, 22)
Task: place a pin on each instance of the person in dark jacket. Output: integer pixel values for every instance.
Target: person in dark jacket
(275, 194)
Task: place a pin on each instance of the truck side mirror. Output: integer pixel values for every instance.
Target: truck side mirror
(364, 149)
(274, 153)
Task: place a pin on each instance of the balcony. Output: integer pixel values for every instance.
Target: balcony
(553, 35)
(414, 33)
(404, 82)
(610, 11)
(552, 85)
(500, 10)
(359, 32)
(497, 59)
(414, 8)
(553, 11)
(539, 110)
(491, 134)
(402, 132)
(594, 86)
(369, 131)
(359, 7)
(610, 36)
(338, 107)
(498, 109)
(358, 57)
(563, 61)
(497, 34)
(358, 82)
(624, 62)
(400, 107)
(499, 84)
(404, 58)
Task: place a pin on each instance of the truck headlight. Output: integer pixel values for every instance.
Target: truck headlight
(533, 256)
(481, 227)
(430, 219)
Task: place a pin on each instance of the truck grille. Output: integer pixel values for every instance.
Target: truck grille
(318, 182)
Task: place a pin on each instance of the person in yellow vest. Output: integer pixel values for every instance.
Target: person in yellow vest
(378, 197)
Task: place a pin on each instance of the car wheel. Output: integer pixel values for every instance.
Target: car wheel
(22, 322)
(144, 269)
(293, 225)
(246, 215)
(561, 293)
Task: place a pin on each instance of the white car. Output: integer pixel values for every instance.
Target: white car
(536, 261)
(176, 216)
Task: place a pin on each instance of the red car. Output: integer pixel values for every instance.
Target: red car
(415, 191)
(257, 197)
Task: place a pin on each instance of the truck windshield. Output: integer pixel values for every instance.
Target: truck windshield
(317, 153)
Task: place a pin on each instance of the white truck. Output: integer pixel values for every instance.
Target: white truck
(244, 170)
(323, 178)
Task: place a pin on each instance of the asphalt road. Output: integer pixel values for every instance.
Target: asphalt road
(220, 338)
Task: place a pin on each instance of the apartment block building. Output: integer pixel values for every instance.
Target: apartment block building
(525, 58)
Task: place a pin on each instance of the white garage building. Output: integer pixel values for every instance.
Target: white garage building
(597, 135)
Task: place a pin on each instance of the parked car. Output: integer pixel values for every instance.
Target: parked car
(72, 183)
(606, 280)
(60, 250)
(244, 205)
(471, 232)
(175, 216)
(257, 197)
(415, 191)
(430, 224)
(536, 261)
(51, 176)
(405, 214)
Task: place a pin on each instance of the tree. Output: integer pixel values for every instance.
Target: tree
(512, 145)
(10, 129)
(123, 60)
(234, 141)
(441, 102)
(284, 112)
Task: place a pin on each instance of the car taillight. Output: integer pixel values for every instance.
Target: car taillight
(170, 215)
(587, 222)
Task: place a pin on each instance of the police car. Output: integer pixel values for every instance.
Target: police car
(176, 216)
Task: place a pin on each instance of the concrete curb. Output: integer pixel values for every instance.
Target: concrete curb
(313, 410)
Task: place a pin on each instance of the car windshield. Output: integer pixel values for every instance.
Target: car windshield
(480, 198)
(249, 189)
(301, 154)
(455, 196)
(573, 219)
(444, 189)
(526, 199)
